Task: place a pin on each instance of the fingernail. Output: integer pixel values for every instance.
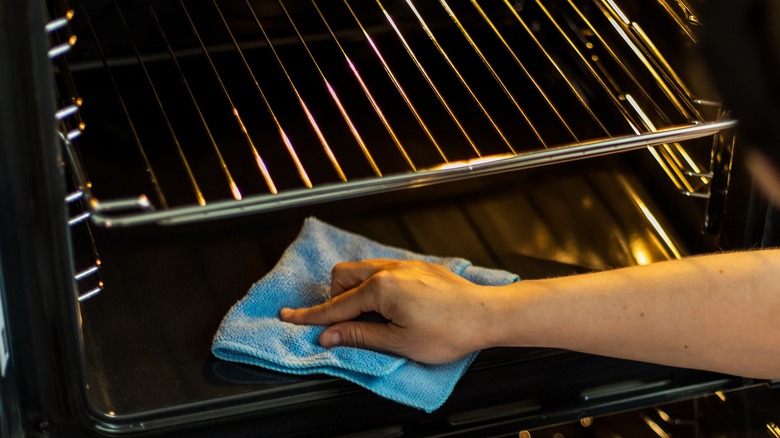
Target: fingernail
(285, 313)
(331, 339)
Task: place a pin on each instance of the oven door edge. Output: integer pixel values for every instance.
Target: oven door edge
(42, 385)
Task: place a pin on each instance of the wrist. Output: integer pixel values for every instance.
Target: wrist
(514, 315)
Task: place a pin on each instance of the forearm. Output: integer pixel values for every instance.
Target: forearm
(716, 312)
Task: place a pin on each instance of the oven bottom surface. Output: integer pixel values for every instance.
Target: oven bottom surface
(148, 334)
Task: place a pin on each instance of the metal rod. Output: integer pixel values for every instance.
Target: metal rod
(87, 272)
(427, 77)
(366, 91)
(91, 293)
(236, 115)
(73, 134)
(136, 138)
(455, 171)
(460, 77)
(326, 147)
(397, 84)
(79, 218)
(675, 78)
(492, 71)
(66, 112)
(223, 165)
(557, 67)
(522, 66)
(61, 49)
(140, 202)
(332, 92)
(59, 23)
(74, 196)
(78, 172)
(684, 107)
(285, 138)
(615, 100)
(683, 19)
(179, 150)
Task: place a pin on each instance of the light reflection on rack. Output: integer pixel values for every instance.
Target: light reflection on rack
(441, 174)
(640, 113)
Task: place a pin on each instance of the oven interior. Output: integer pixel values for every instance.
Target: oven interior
(545, 138)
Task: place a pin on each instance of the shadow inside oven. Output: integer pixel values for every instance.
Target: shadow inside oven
(148, 335)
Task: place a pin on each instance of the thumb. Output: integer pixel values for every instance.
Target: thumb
(359, 334)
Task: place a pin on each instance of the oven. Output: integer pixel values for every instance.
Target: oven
(157, 158)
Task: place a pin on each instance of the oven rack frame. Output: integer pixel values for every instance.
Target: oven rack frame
(708, 181)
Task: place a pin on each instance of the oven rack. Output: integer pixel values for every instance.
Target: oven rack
(483, 87)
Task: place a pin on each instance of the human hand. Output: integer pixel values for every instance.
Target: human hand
(434, 315)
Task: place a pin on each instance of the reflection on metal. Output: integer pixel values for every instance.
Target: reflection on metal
(333, 94)
(667, 68)
(470, 164)
(640, 252)
(222, 164)
(773, 429)
(87, 272)
(131, 125)
(527, 73)
(91, 293)
(585, 62)
(670, 166)
(367, 92)
(649, 67)
(661, 232)
(258, 159)
(655, 427)
(557, 67)
(301, 102)
(271, 112)
(79, 218)
(494, 74)
(355, 188)
(428, 79)
(683, 15)
(460, 77)
(59, 23)
(664, 416)
(74, 196)
(138, 203)
(601, 89)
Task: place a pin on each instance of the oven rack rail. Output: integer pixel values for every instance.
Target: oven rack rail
(658, 113)
(87, 279)
(104, 214)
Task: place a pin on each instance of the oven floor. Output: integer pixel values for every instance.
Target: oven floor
(147, 335)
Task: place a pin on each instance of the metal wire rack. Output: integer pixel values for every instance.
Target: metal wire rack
(226, 107)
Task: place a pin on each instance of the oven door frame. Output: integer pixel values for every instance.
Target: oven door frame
(41, 388)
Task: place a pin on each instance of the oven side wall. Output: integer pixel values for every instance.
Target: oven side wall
(39, 388)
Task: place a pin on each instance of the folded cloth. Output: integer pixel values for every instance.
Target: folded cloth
(252, 332)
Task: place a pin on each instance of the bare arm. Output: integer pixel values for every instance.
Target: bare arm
(717, 312)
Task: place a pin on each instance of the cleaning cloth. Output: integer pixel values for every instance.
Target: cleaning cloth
(252, 332)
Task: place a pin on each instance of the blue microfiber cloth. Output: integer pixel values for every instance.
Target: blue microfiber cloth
(252, 332)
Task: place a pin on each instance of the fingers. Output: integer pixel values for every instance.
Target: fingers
(367, 335)
(346, 306)
(348, 275)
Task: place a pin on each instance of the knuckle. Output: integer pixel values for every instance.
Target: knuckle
(329, 309)
(337, 269)
(383, 279)
(355, 336)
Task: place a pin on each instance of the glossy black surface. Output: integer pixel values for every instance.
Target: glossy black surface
(147, 336)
